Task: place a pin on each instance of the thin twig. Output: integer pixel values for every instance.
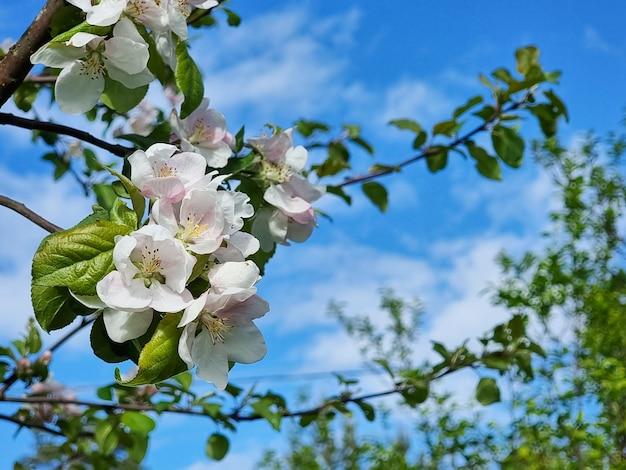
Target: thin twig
(41, 79)
(15, 65)
(29, 214)
(31, 425)
(46, 126)
(428, 152)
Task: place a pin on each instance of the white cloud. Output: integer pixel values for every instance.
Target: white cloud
(594, 41)
(415, 99)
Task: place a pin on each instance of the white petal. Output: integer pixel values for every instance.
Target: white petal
(205, 4)
(245, 344)
(106, 13)
(282, 197)
(302, 187)
(124, 246)
(217, 156)
(91, 301)
(189, 166)
(193, 310)
(140, 168)
(211, 359)
(125, 28)
(164, 215)
(171, 188)
(166, 300)
(185, 344)
(242, 275)
(278, 224)
(296, 157)
(123, 326)
(161, 151)
(177, 22)
(82, 39)
(127, 55)
(84, 5)
(261, 229)
(77, 92)
(56, 55)
(249, 309)
(244, 242)
(129, 81)
(114, 292)
(300, 232)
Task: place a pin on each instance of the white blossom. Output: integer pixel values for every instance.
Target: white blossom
(162, 172)
(204, 131)
(290, 193)
(218, 326)
(86, 59)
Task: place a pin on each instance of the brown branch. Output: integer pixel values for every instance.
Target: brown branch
(46, 126)
(429, 151)
(29, 214)
(15, 65)
(31, 425)
(41, 79)
(11, 379)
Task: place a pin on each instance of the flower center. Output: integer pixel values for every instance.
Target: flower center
(93, 66)
(192, 229)
(183, 7)
(149, 265)
(165, 170)
(202, 133)
(215, 326)
(275, 173)
(137, 7)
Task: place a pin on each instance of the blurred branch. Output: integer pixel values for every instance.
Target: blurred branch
(429, 151)
(15, 65)
(46, 126)
(29, 214)
(26, 424)
(42, 79)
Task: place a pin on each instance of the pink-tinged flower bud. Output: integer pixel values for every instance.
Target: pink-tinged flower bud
(46, 357)
(23, 363)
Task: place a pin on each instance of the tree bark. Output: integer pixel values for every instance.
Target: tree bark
(14, 67)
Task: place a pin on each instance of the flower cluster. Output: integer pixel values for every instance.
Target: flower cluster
(194, 230)
(290, 194)
(88, 60)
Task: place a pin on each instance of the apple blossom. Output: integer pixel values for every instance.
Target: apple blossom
(86, 59)
(141, 120)
(162, 172)
(290, 193)
(108, 12)
(204, 131)
(218, 326)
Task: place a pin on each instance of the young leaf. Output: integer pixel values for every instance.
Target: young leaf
(508, 145)
(159, 358)
(406, 124)
(188, 80)
(217, 446)
(376, 193)
(121, 99)
(487, 391)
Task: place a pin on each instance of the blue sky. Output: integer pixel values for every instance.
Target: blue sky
(357, 61)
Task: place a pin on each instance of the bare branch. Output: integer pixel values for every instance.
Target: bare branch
(31, 425)
(29, 214)
(46, 126)
(429, 151)
(41, 79)
(15, 65)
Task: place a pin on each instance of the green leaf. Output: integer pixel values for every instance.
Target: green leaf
(66, 17)
(32, 341)
(105, 195)
(486, 165)
(232, 18)
(139, 202)
(367, 409)
(338, 191)
(217, 446)
(416, 392)
(158, 360)
(557, 103)
(526, 58)
(188, 80)
(447, 128)
(83, 27)
(406, 124)
(307, 128)
(25, 96)
(337, 160)
(376, 193)
(263, 407)
(420, 139)
(508, 145)
(156, 64)
(106, 436)
(487, 391)
(121, 214)
(467, 106)
(74, 259)
(138, 422)
(121, 99)
(437, 158)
